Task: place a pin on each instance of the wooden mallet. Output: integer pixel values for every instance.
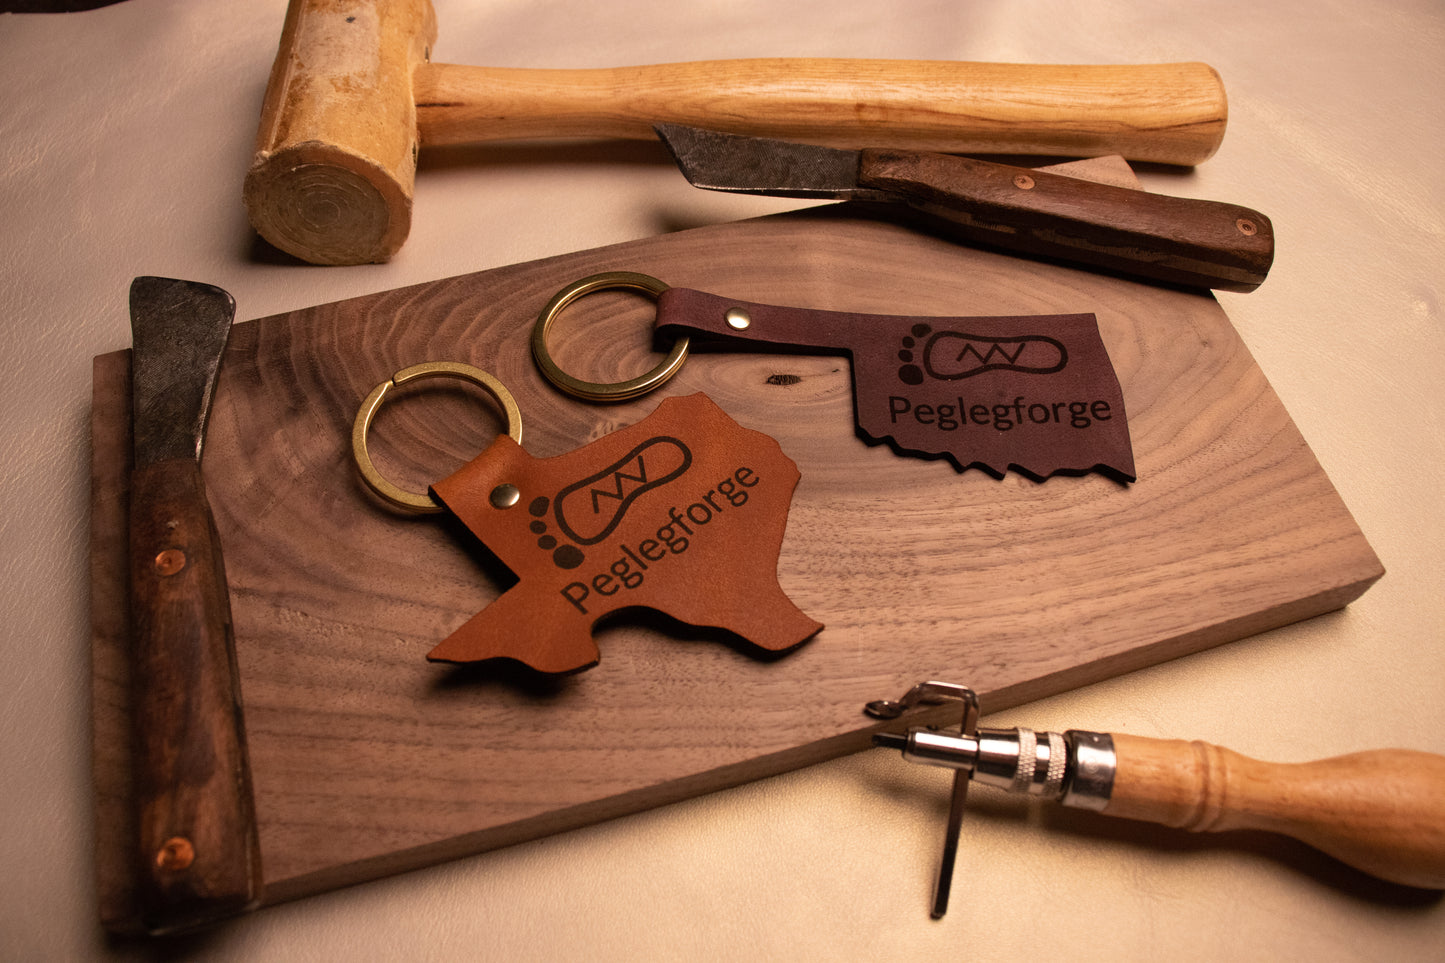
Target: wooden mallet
(353, 94)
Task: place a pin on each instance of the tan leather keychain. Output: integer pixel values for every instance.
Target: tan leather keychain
(683, 512)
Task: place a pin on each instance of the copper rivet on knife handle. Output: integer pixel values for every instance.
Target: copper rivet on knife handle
(176, 854)
(170, 561)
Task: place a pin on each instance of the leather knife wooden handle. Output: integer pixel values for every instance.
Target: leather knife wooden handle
(1177, 240)
(199, 852)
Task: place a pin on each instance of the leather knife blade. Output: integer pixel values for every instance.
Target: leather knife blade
(1176, 240)
(197, 849)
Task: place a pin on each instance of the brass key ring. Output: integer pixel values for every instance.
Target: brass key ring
(591, 390)
(422, 502)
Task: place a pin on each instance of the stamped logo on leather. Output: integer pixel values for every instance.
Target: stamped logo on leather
(954, 355)
(1035, 394)
(683, 512)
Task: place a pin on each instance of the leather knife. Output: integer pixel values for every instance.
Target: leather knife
(197, 849)
(1176, 240)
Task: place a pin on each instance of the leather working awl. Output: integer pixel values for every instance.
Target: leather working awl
(1382, 812)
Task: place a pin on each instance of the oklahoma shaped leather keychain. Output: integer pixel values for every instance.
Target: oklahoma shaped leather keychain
(1033, 393)
(683, 512)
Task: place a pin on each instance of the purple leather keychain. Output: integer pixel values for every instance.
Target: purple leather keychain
(1032, 393)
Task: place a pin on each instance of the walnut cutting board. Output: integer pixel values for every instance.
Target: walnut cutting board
(368, 760)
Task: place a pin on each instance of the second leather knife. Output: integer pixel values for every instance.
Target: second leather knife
(198, 851)
(1177, 240)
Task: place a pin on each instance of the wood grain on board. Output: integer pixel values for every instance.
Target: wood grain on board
(368, 760)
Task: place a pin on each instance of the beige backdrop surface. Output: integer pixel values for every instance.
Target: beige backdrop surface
(124, 133)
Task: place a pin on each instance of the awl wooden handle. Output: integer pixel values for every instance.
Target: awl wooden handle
(1381, 811)
(1167, 113)
(198, 853)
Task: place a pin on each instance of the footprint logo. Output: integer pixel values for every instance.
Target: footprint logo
(910, 373)
(953, 355)
(563, 555)
(588, 511)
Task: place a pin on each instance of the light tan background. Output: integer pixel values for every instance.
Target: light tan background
(124, 133)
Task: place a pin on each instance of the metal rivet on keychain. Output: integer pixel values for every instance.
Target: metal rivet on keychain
(505, 496)
(423, 502)
(738, 319)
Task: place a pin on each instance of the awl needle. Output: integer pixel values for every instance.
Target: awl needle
(934, 692)
(951, 832)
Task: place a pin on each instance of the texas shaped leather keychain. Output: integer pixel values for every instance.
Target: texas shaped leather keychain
(683, 512)
(1033, 393)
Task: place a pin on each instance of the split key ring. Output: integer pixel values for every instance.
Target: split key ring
(591, 390)
(421, 502)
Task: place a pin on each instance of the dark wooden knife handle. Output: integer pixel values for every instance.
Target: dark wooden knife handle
(1177, 240)
(198, 847)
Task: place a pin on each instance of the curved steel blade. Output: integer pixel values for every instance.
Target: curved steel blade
(178, 334)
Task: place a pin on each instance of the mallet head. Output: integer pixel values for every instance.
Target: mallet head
(335, 163)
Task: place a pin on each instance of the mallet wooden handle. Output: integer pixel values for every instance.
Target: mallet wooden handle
(331, 181)
(1382, 812)
(1169, 113)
